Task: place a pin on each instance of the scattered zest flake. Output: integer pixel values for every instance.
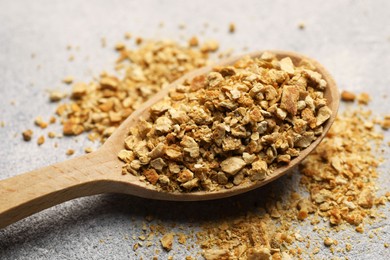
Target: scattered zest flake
(68, 80)
(348, 96)
(51, 134)
(88, 150)
(39, 122)
(41, 140)
(27, 135)
(56, 96)
(70, 152)
(167, 241)
(232, 27)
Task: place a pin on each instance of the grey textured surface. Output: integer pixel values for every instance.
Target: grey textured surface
(351, 38)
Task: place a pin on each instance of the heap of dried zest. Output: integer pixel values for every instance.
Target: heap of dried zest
(339, 174)
(231, 126)
(340, 177)
(101, 106)
(256, 236)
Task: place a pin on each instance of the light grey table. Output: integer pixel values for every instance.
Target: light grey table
(351, 38)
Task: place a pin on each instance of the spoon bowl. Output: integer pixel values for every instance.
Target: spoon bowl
(101, 171)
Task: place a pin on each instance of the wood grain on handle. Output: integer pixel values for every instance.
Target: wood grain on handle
(31, 192)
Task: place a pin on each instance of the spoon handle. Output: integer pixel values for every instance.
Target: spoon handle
(31, 192)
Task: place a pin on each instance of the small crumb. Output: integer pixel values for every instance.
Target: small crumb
(359, 229)
(385, 124)
(39, 122)
(56, 96)
(103, 42)
(52, 120)
(193, 41)
(181, 238)
(138, 40)
(70, 152)
(119, 46)
(72, 129)
(41, 140)
(328, 241)
(210, 46)
(364, 98)
(78, 90)
(68, 80)
(93, 137)
(2, 123)
(71, 58)
(232, 27)
(348, 96)
(167, 241)
(88, 150)
(182, 26)
(348, 247)
(149, 218)
(51, 134)
(301, 26)
(225, 54)
(386, 245)
(127, 36)
(27, 135)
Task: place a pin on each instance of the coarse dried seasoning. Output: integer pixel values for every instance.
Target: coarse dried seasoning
(234, 125)
(340, 182)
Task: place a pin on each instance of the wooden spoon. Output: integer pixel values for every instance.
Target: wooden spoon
(100, 171)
